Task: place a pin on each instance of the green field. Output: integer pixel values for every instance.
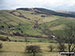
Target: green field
(18, 49)
(55, 22)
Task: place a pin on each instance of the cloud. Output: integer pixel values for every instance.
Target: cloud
(50, 4)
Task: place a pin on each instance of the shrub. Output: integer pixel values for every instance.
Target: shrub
(33, 49)
(1, 45)
(61, 48)
(51, 48)
(40, 41)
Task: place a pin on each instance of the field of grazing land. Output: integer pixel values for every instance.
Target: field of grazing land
(18, 49)
(26, 20)
(21, 28)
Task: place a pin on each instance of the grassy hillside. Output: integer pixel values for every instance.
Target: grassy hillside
(26, 20)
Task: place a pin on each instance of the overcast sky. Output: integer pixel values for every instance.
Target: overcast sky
(68, 5)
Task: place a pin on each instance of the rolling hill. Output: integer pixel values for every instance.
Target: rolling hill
(49, 12)
(29, 19)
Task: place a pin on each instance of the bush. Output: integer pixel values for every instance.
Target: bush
(51, 48)
(33, 49)
(40, 41)
(61, 48)
(1, 45)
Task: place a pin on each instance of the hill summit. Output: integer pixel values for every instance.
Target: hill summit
(47, 11)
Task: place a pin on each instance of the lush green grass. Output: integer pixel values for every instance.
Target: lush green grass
(55, 22)
(29, 39)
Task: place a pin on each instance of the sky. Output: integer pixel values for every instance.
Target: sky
(65, 5)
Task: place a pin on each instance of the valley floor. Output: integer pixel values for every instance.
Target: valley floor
(18, 49)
